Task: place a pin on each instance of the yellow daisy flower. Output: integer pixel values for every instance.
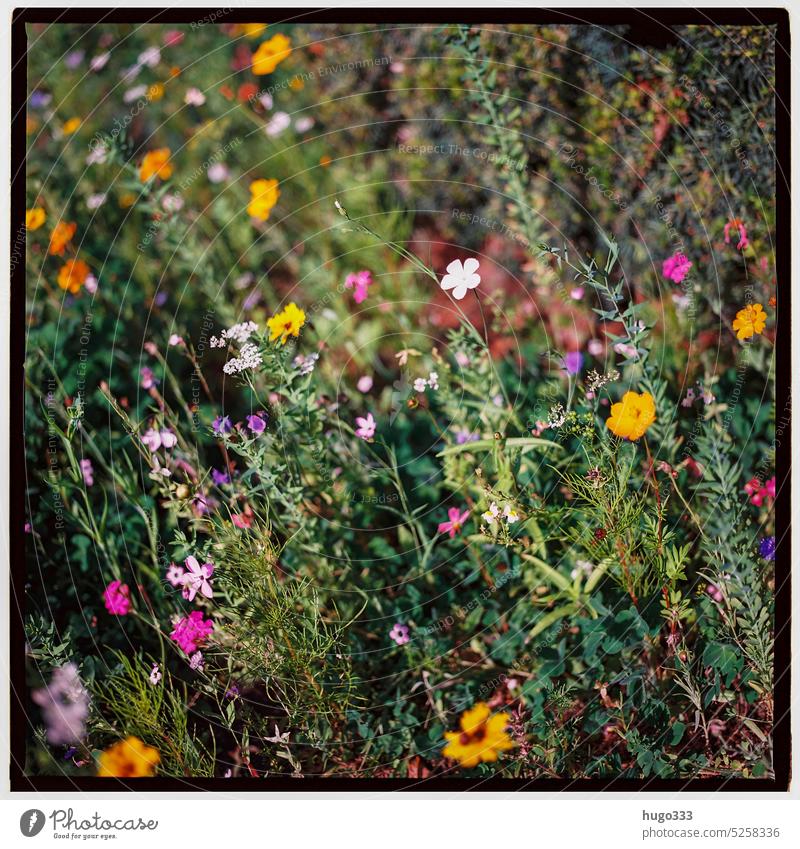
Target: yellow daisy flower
(34, 218)
(264, 195)
(271, 53)
(631, 417)
(749, 321)
(130, 758)
(481, 739)
(287, 323)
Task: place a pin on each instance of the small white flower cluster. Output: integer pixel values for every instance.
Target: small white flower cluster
(249, 358)
(305, 364)
(421, 384)
(583, 568)
(238, 333)
(557, 416)
(493, 514)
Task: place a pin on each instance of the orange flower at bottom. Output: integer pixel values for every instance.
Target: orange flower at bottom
(481, 739)
(130, 758)
(749, 321)
(631, 417)
(156, 163)
(73, 275)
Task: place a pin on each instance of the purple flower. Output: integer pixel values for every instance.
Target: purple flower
(74, 59)
(39, 99)
(767, 548)
(87, 471)
(400, 634)
(463, 436)
(220, 478)
(149, 380)
(573, 362)
(65, 706)
(256, 424)
(222, 425)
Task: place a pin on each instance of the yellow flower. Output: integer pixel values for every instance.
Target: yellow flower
(73, 275)
(270, 54)
(70, 126)
(130, 758)
(61, 236)
(251, 30)
(296, 84)
(264, 195)
(481, 738)
(155, 92)
(749, 321)
(287, 323)
(157, 163)
(127, 199)
(34, 218)
(631, 417)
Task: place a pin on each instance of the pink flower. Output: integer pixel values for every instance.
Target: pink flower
(364, 384)
(366, 426)
(359, 282)
(155, 675)
(148, 378)
(738, 225)
(196, 661)
(176, 340)
(242, 520)
(676, 267)
(155, 439)
(117, 598)
(192, 631)
(87, 471)
(770, 487)
(65, 706)
(196, 579)
(175, 575)
(400, 634)
(455, 523)
(758, 493)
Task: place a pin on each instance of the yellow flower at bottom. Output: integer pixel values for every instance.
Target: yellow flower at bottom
(287, 323)
(130, 758)
(34, 218)
(270, 54)
(631, 417)
(749, 321)
(73, 275)
(264, 195)
(157, 163)
(481, 739)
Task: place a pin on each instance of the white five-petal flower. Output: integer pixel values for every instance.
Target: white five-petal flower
(461, 277)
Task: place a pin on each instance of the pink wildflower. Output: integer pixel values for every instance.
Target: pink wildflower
(196, 579)
(676, 267)
(366, 426)
(400, 634)
(738, 225)
(192, 631)
(455, 523)
(359, 282)
(175, 575)
(65, 706)
(87, 471)
(117, 598)
(364, 384)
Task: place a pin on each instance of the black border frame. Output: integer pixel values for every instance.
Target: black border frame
(646, 24)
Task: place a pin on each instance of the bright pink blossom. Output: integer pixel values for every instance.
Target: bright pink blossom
(455, 523)
(117, 598)
(738, 225)
(359, 282)
(676, 267)
(192, 631)
(366, 426)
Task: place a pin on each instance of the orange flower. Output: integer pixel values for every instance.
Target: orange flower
(270, 54)
(749, 321)
(130, 758)
(156, 163)
(70, 126)
(264, 195)
(34, 218)
(325, 160)
(631, 417)
(73, 275)
(61, 236)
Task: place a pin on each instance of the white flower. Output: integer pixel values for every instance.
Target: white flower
(420, 384)
(492, 514)
(194, 97)
(95, 201)
(277, 124)
(249, 358)
(510, 514)
(461, 277)
(433, 380)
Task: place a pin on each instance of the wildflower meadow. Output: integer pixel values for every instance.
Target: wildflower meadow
(400, 403)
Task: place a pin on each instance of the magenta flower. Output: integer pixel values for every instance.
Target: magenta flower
(676, 267)
(192, 631)
(573, 362)
(366, 426)
(222, 425)
(117, 598)
(256, 424)
(455, 523)
(359, 282)
(738, 225)
(87, 471)
(196, 579)
(400, 634)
